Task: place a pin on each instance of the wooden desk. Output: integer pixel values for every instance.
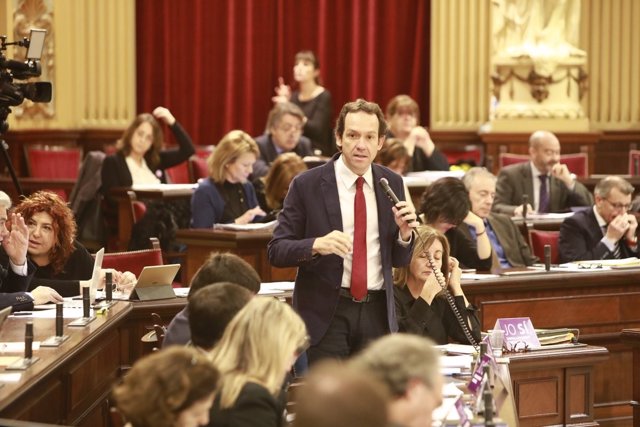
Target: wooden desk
(69, 384)
(632, 337)
(599, 303)
(168, 192)
(249, 245)
(555, 387)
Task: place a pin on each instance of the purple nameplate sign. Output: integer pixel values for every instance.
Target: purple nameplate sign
(464, 419)
(478, 374)
(518, 330)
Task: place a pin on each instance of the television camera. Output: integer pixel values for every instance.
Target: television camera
(13, 94)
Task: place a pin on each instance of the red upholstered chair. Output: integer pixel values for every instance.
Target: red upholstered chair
(506, 159)
(539, 238)
(53, 162)
(199, 167)
(577, 163)
(634, 162)
(179, 174)
(468, 154)
(134, 261)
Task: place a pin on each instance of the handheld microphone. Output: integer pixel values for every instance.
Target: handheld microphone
(59, 319)
(388, 191)
(86, 302)
(547, 257)
(525, 202)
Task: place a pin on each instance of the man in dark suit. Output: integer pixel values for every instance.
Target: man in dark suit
(604, 232)
(15, 278)
(509, 249)
(284, 134)
(344, 288)
(549, 185)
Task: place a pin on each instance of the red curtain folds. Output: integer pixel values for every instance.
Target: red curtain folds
(215, 63)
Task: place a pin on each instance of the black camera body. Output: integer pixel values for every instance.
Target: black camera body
(13, 94)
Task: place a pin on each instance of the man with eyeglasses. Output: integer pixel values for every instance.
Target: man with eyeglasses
(283, 135)
(606, 231)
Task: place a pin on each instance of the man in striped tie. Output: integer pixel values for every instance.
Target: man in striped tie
(605, 231)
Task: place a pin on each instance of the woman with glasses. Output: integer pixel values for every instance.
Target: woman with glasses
(312, 98)
(605, 231)
(422, 307)
(254, 355)
(227, 196)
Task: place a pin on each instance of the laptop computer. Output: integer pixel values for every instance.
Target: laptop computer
(155, 282)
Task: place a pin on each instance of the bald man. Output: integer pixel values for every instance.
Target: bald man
(548, 183)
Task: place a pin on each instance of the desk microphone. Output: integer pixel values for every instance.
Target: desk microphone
(525, 202)
(59, 337)
(108, 286)
(388, 191)
(28, 360)
(547, 257)
(86, 309)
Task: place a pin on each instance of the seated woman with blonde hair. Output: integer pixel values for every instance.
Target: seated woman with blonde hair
(272, 189)
(226, 196)
(170, 388)
(421, 304)
(254, 355)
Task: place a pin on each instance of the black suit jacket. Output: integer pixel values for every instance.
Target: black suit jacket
(268, 153)
(312, 209)
(580, 239)
(13, 288)
(255, 407)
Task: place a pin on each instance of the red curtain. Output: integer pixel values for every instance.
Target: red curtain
(215, 63)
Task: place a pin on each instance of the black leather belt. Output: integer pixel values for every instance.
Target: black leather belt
(370, 297)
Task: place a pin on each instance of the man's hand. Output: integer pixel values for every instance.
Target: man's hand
(249, 215)
(336, 242)
(283, 92)
(406, 219)
(618, 227)
(44, 294)
(561, 172)
(16, 242)
(165, 115)
(518, 210)
(633, 226)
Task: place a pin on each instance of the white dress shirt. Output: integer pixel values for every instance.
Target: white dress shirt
(141, 174)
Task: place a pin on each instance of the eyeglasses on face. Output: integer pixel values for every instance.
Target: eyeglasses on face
(619, 206)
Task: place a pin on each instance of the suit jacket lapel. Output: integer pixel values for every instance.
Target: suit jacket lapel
(528, 184)
(329, 193)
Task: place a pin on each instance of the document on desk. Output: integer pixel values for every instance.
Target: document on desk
(456, 348)
(246, 227)
(279, 286)
(16, 347)
(477, 276)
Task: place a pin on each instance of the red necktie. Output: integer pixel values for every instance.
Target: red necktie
(359, 260)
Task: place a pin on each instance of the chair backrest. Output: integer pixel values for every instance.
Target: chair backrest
(539, 238)
(468, 154)
(53, 162)
(506, 159)
(577, 163)
(134, 261)
(179, 174)
(634, 162)
(199, 167)
(138, 208)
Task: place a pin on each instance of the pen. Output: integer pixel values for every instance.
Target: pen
(23, 313)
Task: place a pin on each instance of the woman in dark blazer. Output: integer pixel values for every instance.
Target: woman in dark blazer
(254, 356)
(226, 196)
(140, 158)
